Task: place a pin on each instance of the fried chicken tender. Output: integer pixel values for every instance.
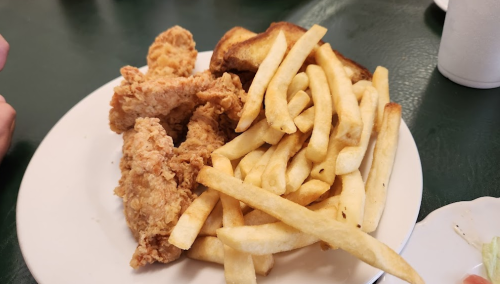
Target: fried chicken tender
(226, 92)
(172, 54)
(152, 200)
(138, 96)
(203, 137)
(157, 179)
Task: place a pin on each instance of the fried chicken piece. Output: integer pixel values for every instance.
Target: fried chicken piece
(203, 137)
(227, 93)
(157, 179)
(172, 54)
(138, 96)
(152, 200)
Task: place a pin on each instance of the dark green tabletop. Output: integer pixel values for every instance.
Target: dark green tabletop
(63, 50)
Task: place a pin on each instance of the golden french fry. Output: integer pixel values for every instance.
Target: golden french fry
(297, 172)
(350, 158)
(213, 221)
(381, 168)
(237, 172)
(305, 120)
(381, 83)
(263, 263)
(191, 221)
(307, 193)
(274, 176)
(296, 105)
(274, 237)
(325, 170)
(266, 238)
(231, 210)
(211, 249)
(318, 144)
(299, 83)
(238, 266)
(359, 88)
(246, 142)
(352, 199)
(257, 217)
(348, 238)
(277, 113)
(264, 74)
(348, 72)
(255, 175)
(248, 162)
(346, 105)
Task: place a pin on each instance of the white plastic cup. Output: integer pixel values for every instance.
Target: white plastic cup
(469, 53)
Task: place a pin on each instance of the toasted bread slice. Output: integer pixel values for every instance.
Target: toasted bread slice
(248, 54)
(232, 37)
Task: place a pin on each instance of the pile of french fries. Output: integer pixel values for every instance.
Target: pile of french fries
(291, 178)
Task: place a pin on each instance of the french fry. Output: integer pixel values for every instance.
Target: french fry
(307, 193)
(350, 158)
(325, 170)
(318, 144)
(237, 172)
(211, 249)
(346, 105)
(257, 217)
(381, 168)
(238, 266)
(263, 263)
(359, 88)
(255, 175)
(348, 72)
(300, 82)
(274, 176)
(264, 74)
(352, 200)
(289, 237)
(381, 83)
(248, 162)
(277, 113)
(246, 142)
(297, 172)
(191, 221)
(267, 238)
(296, 105)
(348, 238)
(213, 221)
(305, 120)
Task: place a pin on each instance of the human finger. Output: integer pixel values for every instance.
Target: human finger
(4, 51)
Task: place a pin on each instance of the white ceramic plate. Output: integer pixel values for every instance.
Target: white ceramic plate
(439, 254)
(71, 227)
(443, 4)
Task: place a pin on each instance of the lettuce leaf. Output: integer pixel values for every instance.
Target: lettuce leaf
(491, 254)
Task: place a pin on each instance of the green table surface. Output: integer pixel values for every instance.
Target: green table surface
(63, 50)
